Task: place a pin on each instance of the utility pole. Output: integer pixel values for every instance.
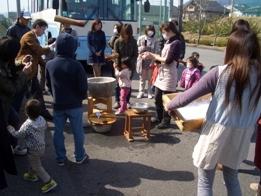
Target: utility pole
(8, 14)
(232, 7)
(170, 9)
(180, 14)
(140, 18)
(165, 12)
(18, 7)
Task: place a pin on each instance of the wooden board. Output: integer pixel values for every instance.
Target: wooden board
(184, 125)
(106, 118)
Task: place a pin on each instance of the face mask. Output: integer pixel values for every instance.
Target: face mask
(115, 31)
(165, 36)
(189, 65)
(150, 33)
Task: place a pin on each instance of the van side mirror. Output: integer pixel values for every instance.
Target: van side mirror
(147, 6)
(56, 4)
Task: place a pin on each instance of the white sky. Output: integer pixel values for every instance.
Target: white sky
(24, 4)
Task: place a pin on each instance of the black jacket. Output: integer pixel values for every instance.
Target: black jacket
(65, 76)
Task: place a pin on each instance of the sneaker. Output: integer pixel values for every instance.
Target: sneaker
(60, 164)
(20, 151)
(49, 186)
(140, 95)
(117, 105)
(118, 113)
(128, 105)
(32, 178)
(162, 126)
(150, 96)
(86, 157)
(256, 187)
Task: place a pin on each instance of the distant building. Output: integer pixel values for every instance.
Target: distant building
(238, 9)
(2, 17)
(203, 9)
(253, 11)
(2, 30)
(155, 16)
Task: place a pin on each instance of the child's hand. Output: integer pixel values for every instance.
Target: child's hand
(9, 127)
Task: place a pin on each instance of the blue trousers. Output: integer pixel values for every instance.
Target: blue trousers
(206, 179)
(75, 117)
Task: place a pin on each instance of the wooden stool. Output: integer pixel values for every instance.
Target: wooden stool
(92, 101)
(128, 125)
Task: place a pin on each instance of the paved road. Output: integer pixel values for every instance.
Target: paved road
(161, 167)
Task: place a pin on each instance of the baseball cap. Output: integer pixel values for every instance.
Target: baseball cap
(26, 14)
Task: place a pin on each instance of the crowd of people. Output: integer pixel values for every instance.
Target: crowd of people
(226, 132)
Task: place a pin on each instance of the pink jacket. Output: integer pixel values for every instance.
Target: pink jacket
(193, 79)
(123, 78)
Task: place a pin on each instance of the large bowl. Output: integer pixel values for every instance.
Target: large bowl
(101, 128)
(101, 87)
(140, 107)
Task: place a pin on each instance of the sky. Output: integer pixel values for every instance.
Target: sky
(24, 4)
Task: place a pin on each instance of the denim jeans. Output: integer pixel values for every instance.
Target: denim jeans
(75, 117)
(206, 179)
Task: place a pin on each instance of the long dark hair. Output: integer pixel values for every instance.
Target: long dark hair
(9, 48)
(240, 24)
(243, 51)
(127, 30)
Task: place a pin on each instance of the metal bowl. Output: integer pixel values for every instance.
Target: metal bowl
(101, 128)
(140, 107)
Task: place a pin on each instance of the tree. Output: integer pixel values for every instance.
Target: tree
(221, 26)
(200, 15)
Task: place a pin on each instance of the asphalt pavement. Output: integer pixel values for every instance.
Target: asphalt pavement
(160, 167)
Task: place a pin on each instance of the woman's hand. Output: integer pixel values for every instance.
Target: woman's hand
(148, 55)
(26, 59)
(98, 53)
(27, 68)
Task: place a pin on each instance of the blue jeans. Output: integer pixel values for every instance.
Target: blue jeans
(206, 179)
(75, 117)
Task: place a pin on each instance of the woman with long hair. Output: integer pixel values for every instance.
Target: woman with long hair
(96, 45)
(125, 46)
(232, 114)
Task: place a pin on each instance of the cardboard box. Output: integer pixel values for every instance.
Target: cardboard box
(185, 125)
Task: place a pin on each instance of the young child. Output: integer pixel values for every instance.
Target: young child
(191, 74)
(123, 75)
(33, 130)
(200, 65)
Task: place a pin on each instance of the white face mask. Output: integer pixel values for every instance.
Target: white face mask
(150, 33)
(115, 31)
(165, 36)
(189, 65)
